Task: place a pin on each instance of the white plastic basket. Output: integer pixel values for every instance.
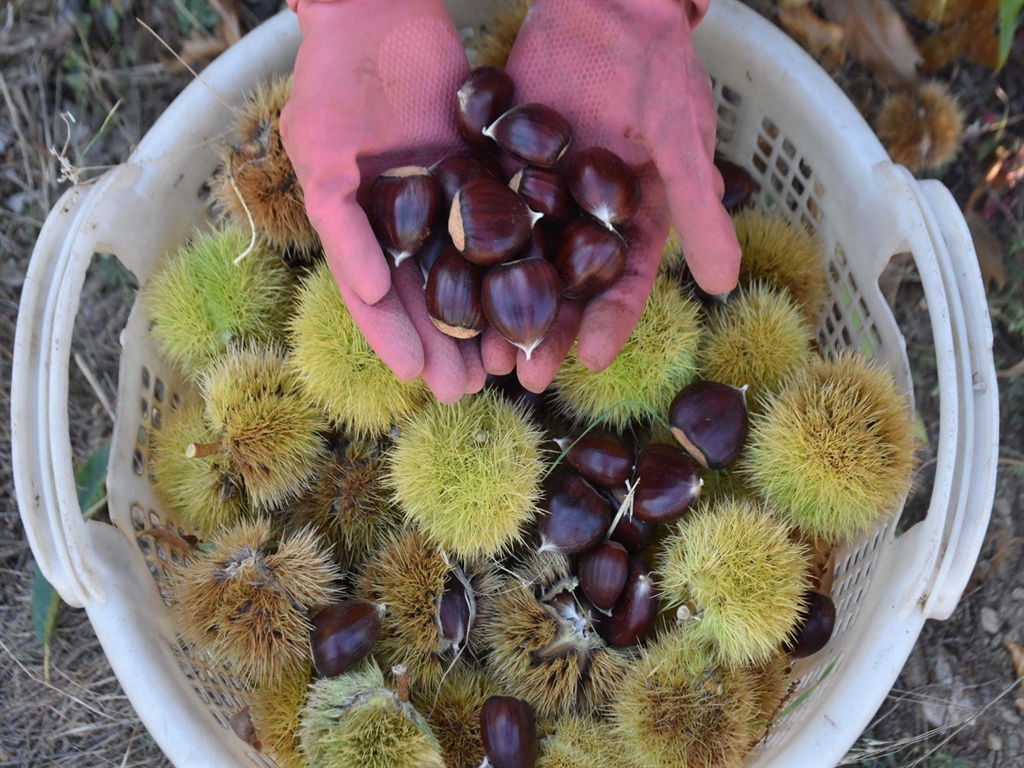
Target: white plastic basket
(816, 161)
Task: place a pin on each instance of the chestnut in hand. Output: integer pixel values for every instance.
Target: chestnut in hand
(544, 191)
(589, 258)
(453, 296)
(453, 172)
(403, 205)
(520, 299)
(533, 133)
(604, 186)
(486, 94)
(489, 222)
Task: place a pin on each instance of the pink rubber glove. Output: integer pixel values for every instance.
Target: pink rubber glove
(374, 88)
(625, 75)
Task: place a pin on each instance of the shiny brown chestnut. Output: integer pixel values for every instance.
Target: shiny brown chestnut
(533, 133)
(589, 258)
(574, 517)
(668, 483)
(604, 186)
(453, 172)
(432, 250)
(602, 574)
(710, 420)
(486, 94)
(544, 191)
(455, 612)
(600, 457)
(540, 243)
(508, 731)
(739, 185)
(815, 625)
(520, 299)
(453, 296)
(633, 533)
(343, 634)
(489, 222)
(635, 612)
(403, 205)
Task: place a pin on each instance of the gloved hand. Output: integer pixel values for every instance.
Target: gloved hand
(374, 88)
(626, 77)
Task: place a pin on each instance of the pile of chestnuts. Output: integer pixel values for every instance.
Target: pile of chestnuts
(499, 253)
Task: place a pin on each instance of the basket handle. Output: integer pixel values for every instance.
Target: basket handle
(940, 551)
(43, 475)
(977, 448)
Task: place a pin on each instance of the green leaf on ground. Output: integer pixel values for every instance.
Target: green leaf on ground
(1009, 18)
(91, 482)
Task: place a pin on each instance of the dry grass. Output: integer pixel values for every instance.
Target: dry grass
(81, 717)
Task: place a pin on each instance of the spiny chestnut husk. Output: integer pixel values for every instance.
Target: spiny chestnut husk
(741, 574)
(533, 133)
(709, 419)
(604, 186)
(544, 646)
(343, 634)
(589, 258)
(403, 205)
(544, 191)
(739, 184)
(676, 707)
(453, 172)
(575, 516)
(488, 221)
(814, 627)
(668, 484)
(482, 99)
(633, 533)
(520, 300)
(356, 721)
(635, 612)
(453, 296)
(602, 572)
(601, 457)
(508, 730)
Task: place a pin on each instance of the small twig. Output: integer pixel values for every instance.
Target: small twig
(401, 673)
(183, 62)
(627, 504)
(95, 384)
(22, 141)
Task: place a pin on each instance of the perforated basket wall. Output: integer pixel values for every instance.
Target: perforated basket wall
(777, 115)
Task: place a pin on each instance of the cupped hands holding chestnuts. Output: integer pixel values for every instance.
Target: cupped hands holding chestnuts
(619, 111)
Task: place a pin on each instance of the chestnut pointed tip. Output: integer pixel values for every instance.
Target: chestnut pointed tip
(489, 130)
(535, 216)
(528, 349)
(400, 257)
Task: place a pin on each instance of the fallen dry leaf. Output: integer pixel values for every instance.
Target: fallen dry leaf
(1017, 655)
(989, 250)
(969, 29)
(171, 539)
(822, 39)
(875, 35)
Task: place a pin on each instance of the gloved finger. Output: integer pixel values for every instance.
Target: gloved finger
(499, 357)
(609, 317)
(330, 182)
(539, 371)
(476, 376)
(443, 369)
(388, 330)
(694, 188)
(351, 248)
